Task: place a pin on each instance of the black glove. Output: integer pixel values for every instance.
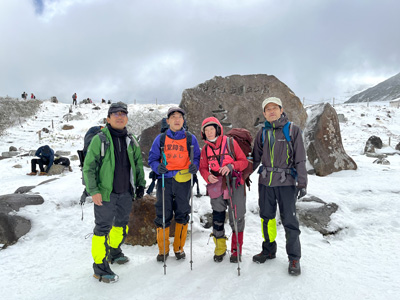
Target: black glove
(301, 192)
(162, 169)
(192, 169)
(139, 192)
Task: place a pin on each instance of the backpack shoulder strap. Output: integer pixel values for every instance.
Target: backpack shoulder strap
(231, 147)
(133, 140)
(104, 144)
(188, 141)
(162, 139)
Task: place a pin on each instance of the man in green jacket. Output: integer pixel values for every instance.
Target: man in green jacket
(113, 174)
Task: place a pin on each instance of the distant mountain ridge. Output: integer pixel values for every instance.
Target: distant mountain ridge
(385, 91)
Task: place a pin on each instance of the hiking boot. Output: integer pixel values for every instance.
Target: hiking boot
(180, 255)
(32, 174)
(103, 273)
(219, 258)
(42, 173)
(260, 258)
(119, 259)
(106, 278)
(294, 267)
(160, 257)
(69, 168)
(234, 258)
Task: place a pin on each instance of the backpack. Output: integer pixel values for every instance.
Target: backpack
(163, 131)
(95, 130)
(243, 138)
(287, 132)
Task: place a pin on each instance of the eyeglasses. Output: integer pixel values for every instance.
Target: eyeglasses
(119, 114)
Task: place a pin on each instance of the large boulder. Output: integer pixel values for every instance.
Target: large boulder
(323, 142)
(235, 101)
(142, 230)
(374, 142)
(12, 227)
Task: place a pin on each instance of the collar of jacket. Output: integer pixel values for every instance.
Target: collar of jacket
(177, 135)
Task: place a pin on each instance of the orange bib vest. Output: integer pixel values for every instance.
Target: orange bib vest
(176, 153)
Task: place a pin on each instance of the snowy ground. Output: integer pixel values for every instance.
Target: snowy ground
(53, 261)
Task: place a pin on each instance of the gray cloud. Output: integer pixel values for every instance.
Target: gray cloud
(127, 50)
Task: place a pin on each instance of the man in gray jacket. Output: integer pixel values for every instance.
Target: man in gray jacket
(283, 178)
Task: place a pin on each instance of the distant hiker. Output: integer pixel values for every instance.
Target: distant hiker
(169, 158)
(74, 97)
(46, 157)
(103, 100)
(216, 162)
(24, 95)
(109, 102)
(113, 180)
(33, 96)
(283, 179)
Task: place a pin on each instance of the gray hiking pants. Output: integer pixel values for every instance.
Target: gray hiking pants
(219, 206)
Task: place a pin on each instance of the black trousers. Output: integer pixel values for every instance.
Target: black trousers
(285, 197)
(38, 161)
(176, 198)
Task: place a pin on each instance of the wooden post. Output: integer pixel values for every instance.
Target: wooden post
(134, 101)
(40, 135)
(333, 101)
(52, 124)
(156, 101)
(304, 98)
(389, 140)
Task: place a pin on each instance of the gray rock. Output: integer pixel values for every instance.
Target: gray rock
(235, 101)
(56, 170)
(381, 161)
(74, 157)
(17, 166)
(323, 141)
(16, 201)
(9, 154)
(54, 99)
(45, 130)
(24, 189)
(316, 216)
(12, 228)
(398, 147)
(342, 118)
(67, 127)
(63, 153)
(12, 148)
(374, 142)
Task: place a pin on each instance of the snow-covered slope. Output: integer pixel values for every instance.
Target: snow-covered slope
(53, 261)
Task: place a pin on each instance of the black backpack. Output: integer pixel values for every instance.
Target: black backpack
(163, 130)
(95, 130)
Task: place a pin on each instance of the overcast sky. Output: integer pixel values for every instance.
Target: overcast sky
(143, 50)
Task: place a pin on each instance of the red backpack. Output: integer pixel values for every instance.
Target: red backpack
(243, 138)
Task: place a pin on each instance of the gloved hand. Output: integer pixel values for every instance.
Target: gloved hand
(162, 169)
(192, 169)
(301, 192)
(139, 192)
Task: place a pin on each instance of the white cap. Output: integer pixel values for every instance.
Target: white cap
(271, 100)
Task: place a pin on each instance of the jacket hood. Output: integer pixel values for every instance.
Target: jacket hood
(210, 121)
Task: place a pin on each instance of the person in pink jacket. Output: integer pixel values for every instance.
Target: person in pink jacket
(215, 163)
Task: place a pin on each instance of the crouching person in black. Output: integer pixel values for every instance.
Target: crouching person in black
(45, 158)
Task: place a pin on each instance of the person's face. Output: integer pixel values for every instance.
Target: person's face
(118, 120)
(272, 112)
(175, 121)
(210, 132)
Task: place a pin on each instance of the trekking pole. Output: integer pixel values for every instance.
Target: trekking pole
(234, 216)
(191, 208)
(163, 214)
